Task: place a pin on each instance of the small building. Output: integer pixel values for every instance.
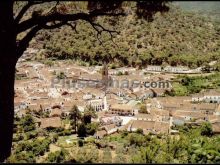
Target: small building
(178, 122)
(145, 117)
(111, 128)
(120, 93)
(56, 112)
(197, 97)
(158, 92)
(154, 127)
(154, 68)
(212, 96)
(20, 106)
(97, 104)
(87, 96)
(123, 109)
(178, 69)
(111, 120)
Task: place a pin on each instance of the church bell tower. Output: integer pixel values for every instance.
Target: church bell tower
(105, 76)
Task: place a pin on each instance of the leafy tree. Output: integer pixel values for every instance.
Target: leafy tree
(89, 113)
(58, 156)
(54, 138)
(80, 142)
(27, 123)
(81, 130)
(30, 135)
(136, 139)
(61, 75)
(75, 115)
(206, 129)
(22, 158)
(18, 138)
(91, 128)
(143, 109)
(139, 131)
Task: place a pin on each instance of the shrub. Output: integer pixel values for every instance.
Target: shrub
(206, 129)
(58, 156)
(139, 131)
(80, 143)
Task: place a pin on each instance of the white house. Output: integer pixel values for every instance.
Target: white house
(212, 97)
(87, 96)
(178, 69)
(197, 98)
(97, 104)
(120, 93)
(154, 68)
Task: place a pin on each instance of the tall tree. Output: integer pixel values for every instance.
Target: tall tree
(11, 25)
(89, 113)
(75, 115)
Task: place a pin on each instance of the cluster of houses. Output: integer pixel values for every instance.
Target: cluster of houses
(117, 108)
(211, 96)
(163, 114)
(172, 69)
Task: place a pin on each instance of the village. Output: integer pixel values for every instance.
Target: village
(120, 82)
(126, 107)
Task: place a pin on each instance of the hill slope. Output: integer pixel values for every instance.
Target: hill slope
(207, 8)
(175, 38)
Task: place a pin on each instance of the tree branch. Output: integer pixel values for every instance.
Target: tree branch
(24, 43)
(58, 25)
(25, 9)
(97, 27)
(25, 25)
(40, 22)
(72, 26)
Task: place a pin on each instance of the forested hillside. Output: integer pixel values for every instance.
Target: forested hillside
(176, 37)
(209, 6)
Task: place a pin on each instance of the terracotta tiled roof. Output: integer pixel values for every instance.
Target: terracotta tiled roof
(216, 127)
(51, 122)
(145, 116)
(159, 91)
(101, 133)
(143, 124)
(151, 126)
(195, 114)
(122, 107)
(56, 112)
(159, 112)
(109, 127)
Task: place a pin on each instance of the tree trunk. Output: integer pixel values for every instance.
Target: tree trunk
(7, 72)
